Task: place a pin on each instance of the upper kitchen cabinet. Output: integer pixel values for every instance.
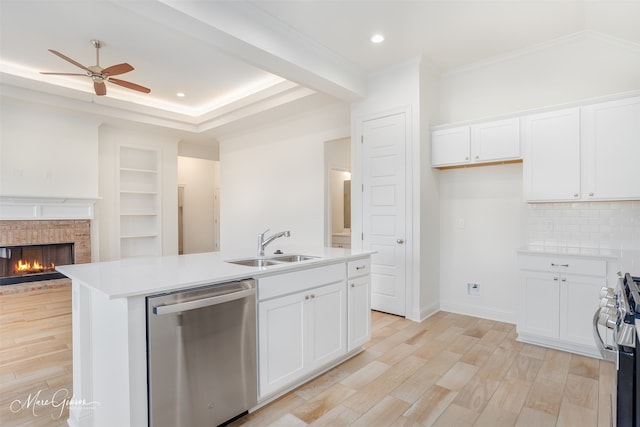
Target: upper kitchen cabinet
(487, 142)
(611, 149)
(450, 146)
(582, 154)
(551, 155)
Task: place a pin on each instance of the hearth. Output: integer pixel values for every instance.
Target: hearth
(30, 263)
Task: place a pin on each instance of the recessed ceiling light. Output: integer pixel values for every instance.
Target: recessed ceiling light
(180, 94)
(377, 38)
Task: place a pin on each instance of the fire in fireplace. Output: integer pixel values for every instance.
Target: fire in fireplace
(30, 263)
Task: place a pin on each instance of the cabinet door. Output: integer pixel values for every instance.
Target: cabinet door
(579, 298)
(551, 158)
(450, 146)
(359, 313)
(326, 337)
(496, 140)
(280, 342)
(611, 143)
(540, 305)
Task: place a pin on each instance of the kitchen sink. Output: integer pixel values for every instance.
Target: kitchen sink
(294, 258)
(255, 262)
(266, 262)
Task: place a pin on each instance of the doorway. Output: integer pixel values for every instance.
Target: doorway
(338, 193)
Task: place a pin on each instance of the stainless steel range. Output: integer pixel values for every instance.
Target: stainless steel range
(620, 312)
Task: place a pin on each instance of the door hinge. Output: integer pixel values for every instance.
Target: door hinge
(361, 236)
(361, 139)
(362, 188)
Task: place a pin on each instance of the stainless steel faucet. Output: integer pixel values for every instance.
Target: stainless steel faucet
(262, 242)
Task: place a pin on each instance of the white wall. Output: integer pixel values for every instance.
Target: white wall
(110, 137)
(47, 152)
(584, 66)
(395, 89)
(274, 177)
(489, 198)
(481, 213)
(200, 179)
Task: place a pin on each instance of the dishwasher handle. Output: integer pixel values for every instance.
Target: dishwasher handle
(202, 302)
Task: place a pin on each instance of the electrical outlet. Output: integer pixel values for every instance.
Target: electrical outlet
(473, 289)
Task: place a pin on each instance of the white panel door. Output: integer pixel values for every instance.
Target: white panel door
(383, 221)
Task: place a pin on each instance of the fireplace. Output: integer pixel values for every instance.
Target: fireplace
(32, 263)
(60, 242)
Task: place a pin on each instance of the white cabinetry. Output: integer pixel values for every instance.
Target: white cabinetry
(139, 202)
(551, 155)
(359, 299)
(611, 149)
(559, 295)
(583, 153)
(302, 324)
(487, 142)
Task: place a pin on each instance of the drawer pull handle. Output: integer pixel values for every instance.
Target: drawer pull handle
(361, 267)
(555, 279)
(553, 264)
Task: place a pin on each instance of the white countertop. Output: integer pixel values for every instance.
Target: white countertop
(569, 250)
(146, 276)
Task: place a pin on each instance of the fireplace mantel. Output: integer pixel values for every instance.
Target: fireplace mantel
(43, 208)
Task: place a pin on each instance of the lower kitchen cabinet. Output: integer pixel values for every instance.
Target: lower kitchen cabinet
(303, 331)
(558, 298)
(359, 300)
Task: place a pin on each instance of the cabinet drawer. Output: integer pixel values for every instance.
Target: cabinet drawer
(564, 264)
(296, 281)
(358, 267)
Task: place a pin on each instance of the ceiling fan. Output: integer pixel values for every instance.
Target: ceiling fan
(101, 75)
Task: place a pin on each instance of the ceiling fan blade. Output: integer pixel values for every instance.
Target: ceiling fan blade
(66, 58)
(100, 88)
(114, 70)
(65, 74)
(130, 85)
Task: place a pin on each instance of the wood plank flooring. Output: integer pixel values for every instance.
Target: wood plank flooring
(450, 370)
(35, 357)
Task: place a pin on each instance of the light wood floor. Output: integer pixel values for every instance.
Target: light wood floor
(35, 357)
(450, 370)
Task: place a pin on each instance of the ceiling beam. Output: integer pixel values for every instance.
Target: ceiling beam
(248, 33)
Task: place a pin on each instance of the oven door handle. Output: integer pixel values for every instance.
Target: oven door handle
(608, 353)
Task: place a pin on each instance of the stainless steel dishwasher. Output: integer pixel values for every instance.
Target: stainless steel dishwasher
(201, 355)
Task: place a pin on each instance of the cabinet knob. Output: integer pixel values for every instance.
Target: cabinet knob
(576, 194)
(590, 194)
(555, 279)
(313, 296)
(353, 285)
(477, 157)
(564, 279)
(400, 241)
(466, 158)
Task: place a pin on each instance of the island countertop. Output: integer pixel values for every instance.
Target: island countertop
(151, 275)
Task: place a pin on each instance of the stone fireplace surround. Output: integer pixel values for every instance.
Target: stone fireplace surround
(45, 231)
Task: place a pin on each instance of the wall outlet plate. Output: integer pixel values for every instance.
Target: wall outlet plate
(473, 289)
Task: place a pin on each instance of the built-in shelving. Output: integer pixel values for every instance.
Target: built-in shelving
(139, 201)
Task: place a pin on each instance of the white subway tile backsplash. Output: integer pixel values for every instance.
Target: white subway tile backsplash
(606, 225)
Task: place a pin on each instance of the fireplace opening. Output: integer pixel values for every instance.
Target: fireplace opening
(30, 263)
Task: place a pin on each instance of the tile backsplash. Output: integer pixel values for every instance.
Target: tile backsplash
(597, 225)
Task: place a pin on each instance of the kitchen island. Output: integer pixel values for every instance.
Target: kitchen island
(110, 331)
